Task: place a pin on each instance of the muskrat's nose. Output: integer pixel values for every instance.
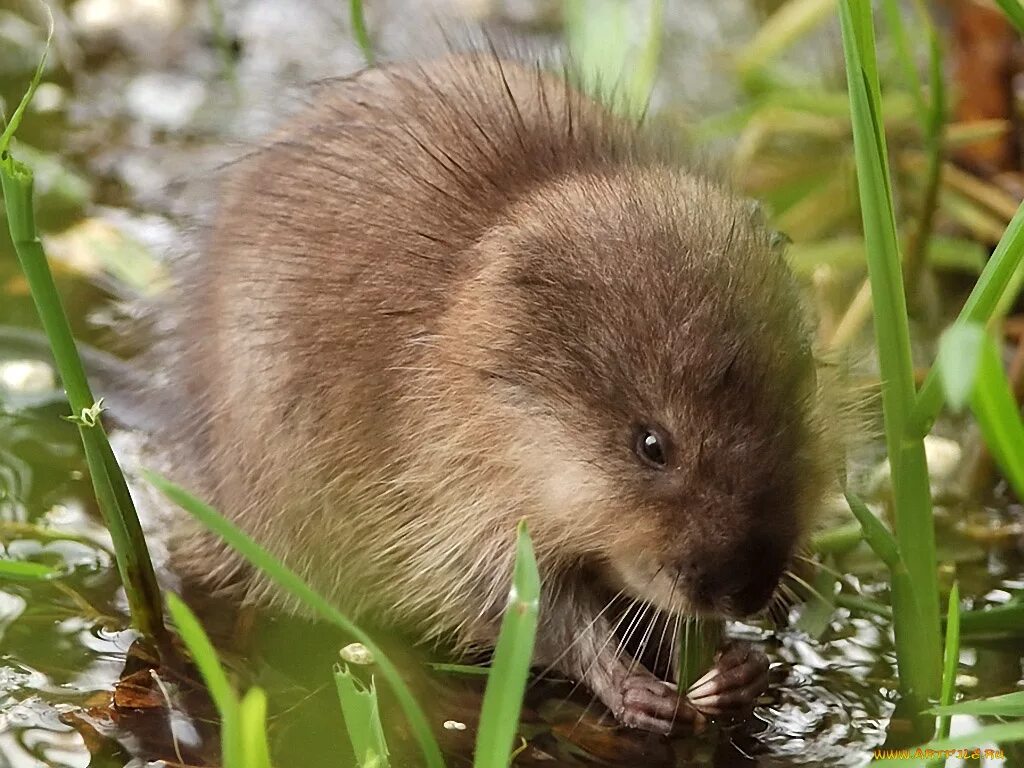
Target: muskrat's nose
(739, 583)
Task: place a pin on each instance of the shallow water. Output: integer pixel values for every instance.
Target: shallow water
(135, 109)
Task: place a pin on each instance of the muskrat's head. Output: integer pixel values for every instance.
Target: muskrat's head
(653, 336)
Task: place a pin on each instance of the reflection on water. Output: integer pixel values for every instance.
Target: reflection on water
(135, 103)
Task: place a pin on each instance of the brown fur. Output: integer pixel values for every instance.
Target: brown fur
(443, 299)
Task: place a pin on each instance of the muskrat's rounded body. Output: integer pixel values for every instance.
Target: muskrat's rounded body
(455, 295)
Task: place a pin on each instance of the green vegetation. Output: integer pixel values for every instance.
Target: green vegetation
(359, 31)
(499, 716)
(243, 735)
(109, 484)
(916, 610)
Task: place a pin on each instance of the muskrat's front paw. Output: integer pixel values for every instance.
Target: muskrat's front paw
(732, 687)
(652, 705)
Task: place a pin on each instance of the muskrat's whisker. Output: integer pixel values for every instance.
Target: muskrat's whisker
(645, 639)
(597, 657)
(667, 619)
(820, 565)
(807, 586)
(637, 620)
(789, 593)
(621, 651)
(674, 648)
(611, 635)
(577, 639)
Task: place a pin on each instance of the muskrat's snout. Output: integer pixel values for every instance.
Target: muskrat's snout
(739, 581)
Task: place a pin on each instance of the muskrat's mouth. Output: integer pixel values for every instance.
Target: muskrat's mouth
(669, 590)
(661, 587)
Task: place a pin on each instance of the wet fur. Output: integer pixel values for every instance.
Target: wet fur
(440, 301)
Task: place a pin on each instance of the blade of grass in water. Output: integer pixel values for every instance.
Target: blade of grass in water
(460, 669)
(912, 633)
(293, 584)
(252, 729)
(115, 502)
(217, 683)
(971, 371)
(358, 20)
(916, 612)
(362, 718)
(1002, 620)
(951, 658)
(25, 569)
(1007, 705)
(506, 685)
(112, 495)
(979, 308)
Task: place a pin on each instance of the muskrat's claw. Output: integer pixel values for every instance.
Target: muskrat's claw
(732, 687)
(653, 705)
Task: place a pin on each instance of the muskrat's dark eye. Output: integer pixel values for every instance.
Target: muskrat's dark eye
(651, 448)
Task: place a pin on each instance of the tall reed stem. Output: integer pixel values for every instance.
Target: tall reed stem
(115, 502)
(917, 608)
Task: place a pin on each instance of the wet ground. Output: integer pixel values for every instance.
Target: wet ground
(141, 101)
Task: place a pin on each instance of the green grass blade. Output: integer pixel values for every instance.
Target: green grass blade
(951, 659)
(12, 125)
(460, 669)
(362, 718)
(968, 358)
(837, 540)
(911, 493)
(115, 503)
(1014, 12)
(864, 605)
(223, 695)
(699, 641)
(958, 362)
(358, 20)
(878, 537)
(26, 570)
(252, 729)
(978, 308)
(506, 686)
(293, 584)
(911, 633)
(1001, 620)
(1007, 705)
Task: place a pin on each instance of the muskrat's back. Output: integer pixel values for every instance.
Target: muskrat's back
(313, 318)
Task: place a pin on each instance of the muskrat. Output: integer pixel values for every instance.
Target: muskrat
(452, 295)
